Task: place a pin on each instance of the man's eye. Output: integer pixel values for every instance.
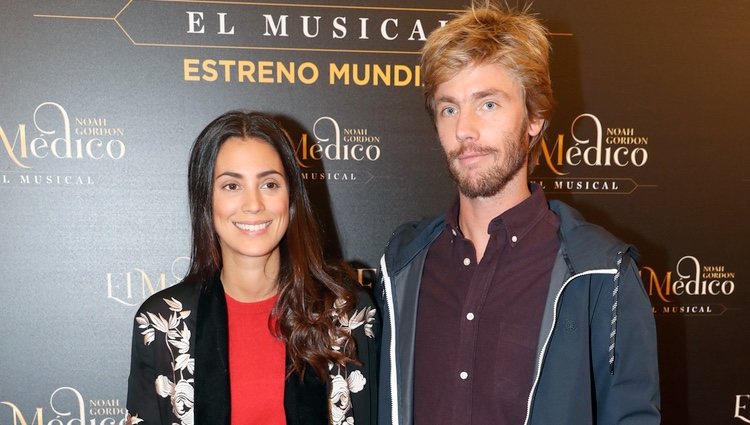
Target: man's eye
(490, 105)
(449, 110)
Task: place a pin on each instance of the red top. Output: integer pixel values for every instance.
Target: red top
(257, 364)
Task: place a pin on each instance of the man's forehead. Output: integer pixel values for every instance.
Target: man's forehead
(480, 80)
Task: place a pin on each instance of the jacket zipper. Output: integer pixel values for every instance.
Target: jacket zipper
(392, 343)
(549, 335)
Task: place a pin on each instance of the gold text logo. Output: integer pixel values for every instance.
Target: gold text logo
(57, 138)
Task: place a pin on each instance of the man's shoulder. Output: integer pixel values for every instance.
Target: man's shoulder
(407, 232)
(587, 244)
(410, 238)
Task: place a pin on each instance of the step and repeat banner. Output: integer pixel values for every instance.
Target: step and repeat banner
(101, 100)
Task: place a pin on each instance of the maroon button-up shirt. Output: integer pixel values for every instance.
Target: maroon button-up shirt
(478, 324)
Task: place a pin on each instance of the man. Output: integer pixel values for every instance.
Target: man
(508, 309)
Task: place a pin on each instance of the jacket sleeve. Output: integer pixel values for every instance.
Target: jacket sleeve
(367, 337)
(142, 399)
(628, 392)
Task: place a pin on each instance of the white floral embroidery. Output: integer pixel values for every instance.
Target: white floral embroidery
(177, 336)
(343, 384)
(132, 419)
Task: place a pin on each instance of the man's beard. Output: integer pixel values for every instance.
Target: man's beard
(493, 180)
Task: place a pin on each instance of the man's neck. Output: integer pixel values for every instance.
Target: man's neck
(475, 214)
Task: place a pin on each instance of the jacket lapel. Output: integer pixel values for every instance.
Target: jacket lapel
(212, 400)
(305, 401)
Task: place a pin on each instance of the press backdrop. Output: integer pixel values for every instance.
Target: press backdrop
(101, 99)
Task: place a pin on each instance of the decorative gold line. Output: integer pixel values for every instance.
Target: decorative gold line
(585, 178)
(322, 6)
(69, 173)
(294, 49)
(99, 18)
(125, 32)
(123, 9)
(397, 52)
(636, 185)
(593, 192)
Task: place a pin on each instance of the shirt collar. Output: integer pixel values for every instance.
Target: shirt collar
(516, 222)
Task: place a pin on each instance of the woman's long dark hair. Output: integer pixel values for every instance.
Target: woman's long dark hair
(309, 285)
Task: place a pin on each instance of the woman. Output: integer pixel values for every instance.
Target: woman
(261, 330)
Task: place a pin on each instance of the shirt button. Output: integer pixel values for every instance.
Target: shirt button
(463, 375)
(467, 261)
(470, 316)
(514, 239)
(454, 232)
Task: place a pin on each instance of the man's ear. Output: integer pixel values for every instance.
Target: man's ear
(535, 126)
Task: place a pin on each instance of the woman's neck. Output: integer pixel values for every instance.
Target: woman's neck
(251, 280)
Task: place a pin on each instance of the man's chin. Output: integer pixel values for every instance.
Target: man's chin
(477, 189)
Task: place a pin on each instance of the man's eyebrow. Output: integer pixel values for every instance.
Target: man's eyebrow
(445, 99)
(476, 95)
(489, 93)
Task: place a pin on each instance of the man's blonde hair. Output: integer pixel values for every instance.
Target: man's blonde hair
(488, 33)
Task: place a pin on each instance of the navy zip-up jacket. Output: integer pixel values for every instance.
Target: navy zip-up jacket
(596, 355)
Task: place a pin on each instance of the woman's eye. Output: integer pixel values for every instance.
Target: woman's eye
(271, 185)
(231, 186)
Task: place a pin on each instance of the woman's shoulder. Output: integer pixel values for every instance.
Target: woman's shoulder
(181, 296)
(363, 318)
(362, 295)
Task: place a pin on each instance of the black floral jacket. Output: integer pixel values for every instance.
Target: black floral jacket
(179, 371)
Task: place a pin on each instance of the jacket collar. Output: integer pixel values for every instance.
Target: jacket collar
(410, 239)
(584, 245)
